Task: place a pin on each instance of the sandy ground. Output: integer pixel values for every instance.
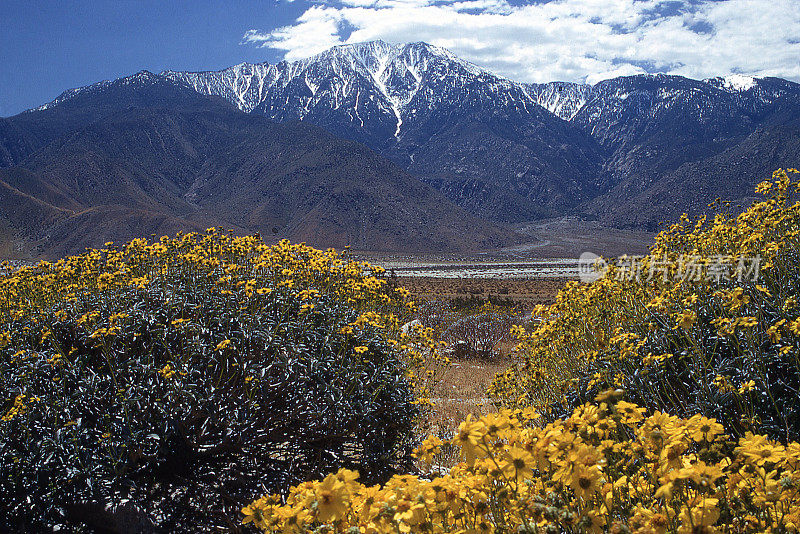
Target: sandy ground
(561, 238)
(525, 292)
(569, 237)
(462, 390)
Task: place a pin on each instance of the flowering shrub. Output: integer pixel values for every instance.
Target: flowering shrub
(479, 330)
(608, 467)
(708, 322)
(186, 376)
(471, 332)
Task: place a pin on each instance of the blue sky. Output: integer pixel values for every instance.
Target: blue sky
(46, 47)
(49, 46)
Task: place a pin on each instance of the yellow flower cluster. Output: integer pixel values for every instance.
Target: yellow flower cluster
(167, 372)
(707, 287)
(17, 408)
(607, 468)
(34, 299)
(241, 264)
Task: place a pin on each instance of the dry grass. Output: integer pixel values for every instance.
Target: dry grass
(461, 391)
(461, 387)
(525, 292)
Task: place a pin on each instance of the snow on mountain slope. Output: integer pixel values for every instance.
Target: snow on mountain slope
(563, 99)
(373, 80)
(755, 95)
(378, 87)
(734, 82)
(244, 84)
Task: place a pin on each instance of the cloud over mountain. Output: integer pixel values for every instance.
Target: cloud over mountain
(569, 40)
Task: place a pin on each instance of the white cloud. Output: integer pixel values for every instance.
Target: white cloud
(569, 40)
(317, 29)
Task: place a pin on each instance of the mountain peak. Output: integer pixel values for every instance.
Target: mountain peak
(142, 77)
(376, 55)
(356, 76)
(378, 44)
(433, 49)
(733, 83)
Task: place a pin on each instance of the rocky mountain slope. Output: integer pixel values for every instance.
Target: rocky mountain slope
(657, 130)
(485, 141)
(479, 138)
(147, 155)
(629, 151)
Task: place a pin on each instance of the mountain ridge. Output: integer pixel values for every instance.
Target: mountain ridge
(504, 151)
(563, 99)
(147, 155)
(621, 135)
(430, 112)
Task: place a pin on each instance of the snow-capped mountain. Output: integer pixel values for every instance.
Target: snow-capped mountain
(384, 83)
(755, 94)
(507, 151)
(373, 74)
(563, 99)
(437, 115)
(374, 86)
